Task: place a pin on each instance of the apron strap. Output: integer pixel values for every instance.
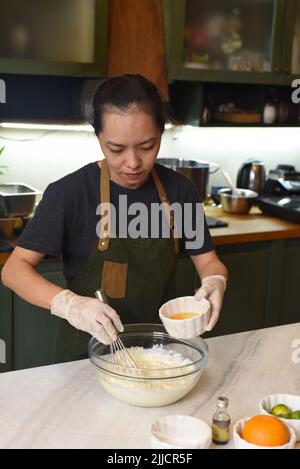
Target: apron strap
(104, 198)
(167, 207)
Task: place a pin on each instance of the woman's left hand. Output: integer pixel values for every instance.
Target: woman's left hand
(212, 289)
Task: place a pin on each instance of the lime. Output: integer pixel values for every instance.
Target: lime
(295, 414)
(281, 410)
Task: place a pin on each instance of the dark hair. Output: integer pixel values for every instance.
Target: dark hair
(124, 91)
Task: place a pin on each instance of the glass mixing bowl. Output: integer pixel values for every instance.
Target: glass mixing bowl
(150, 387)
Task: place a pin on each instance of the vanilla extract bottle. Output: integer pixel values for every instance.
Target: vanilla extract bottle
(221, 422)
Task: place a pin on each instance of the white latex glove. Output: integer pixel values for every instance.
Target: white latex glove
(212, 289)
(88, 314)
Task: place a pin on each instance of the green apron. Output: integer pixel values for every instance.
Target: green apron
(136, 275)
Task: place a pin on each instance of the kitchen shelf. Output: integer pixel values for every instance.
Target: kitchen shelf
(190, 100)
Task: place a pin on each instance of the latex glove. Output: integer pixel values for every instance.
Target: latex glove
(212, 289)
(88, 314)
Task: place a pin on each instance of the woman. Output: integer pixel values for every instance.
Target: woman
(135, 271)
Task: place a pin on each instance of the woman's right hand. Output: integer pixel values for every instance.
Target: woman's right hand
(88, 314)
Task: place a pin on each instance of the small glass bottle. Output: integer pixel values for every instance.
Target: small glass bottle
(221, 422)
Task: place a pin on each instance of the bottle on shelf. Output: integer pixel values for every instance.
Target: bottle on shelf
(270, 113)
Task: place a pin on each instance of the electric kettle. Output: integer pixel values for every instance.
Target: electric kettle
(252, 175)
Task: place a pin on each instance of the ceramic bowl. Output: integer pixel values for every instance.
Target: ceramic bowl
(180, 431)
(240, 443)
(185, 328)
(291, 401)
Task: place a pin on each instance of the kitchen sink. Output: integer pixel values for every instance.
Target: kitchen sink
(17, 199)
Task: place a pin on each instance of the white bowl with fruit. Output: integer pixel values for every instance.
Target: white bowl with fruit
(286, 407)
(263, 432)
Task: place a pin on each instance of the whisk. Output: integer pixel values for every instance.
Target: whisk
(118, 351)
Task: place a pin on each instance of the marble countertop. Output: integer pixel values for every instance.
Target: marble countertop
(64, 406)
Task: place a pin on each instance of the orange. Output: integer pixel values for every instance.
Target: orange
(266, 430)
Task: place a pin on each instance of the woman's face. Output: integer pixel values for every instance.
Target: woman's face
(130, 141)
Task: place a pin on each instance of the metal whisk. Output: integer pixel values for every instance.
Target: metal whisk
(118, 351)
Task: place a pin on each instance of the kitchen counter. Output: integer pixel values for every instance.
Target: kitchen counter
(64, 406)
(241, 228)
(249, 228)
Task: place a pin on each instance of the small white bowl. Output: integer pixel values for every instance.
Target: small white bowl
(185, 328)
(293, 402)
(180, 431)
(240, 443)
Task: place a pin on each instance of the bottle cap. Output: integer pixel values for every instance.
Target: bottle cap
(222, 402)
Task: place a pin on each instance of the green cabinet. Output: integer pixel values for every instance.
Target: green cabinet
(35, 329)
(54, 37)
(263, 287)
(238, 41)
(291, 38)
(244, 305)
(290, 297)
(28, 333)
(247, 296)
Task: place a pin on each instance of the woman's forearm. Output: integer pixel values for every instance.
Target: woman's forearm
(209, 264)
(21, 277)
(214, 268)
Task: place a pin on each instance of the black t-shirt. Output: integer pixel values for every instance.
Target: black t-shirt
(65, 220)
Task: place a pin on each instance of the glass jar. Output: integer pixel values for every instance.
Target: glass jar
(221, 422)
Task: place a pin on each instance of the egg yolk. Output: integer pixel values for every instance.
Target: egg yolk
(183, 315)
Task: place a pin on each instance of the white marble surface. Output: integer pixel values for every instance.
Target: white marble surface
(64, 406)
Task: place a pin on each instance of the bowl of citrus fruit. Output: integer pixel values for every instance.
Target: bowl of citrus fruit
(286, 407)
(263, 432)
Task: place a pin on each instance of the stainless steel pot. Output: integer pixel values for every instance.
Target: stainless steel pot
(196, 171)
